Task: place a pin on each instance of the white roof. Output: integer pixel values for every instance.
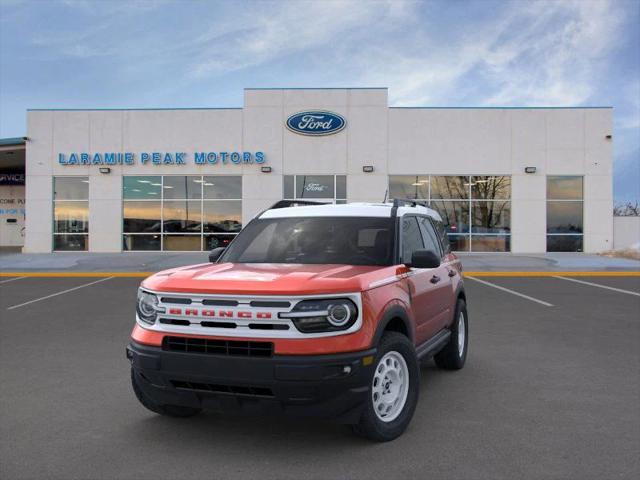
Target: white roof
(348, 210)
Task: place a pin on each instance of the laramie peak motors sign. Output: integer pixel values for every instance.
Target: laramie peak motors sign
(316, 123)
(161, 158)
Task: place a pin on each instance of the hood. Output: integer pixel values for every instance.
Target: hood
(266, 279)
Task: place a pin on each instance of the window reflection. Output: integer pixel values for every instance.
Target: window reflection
(491, 243)
(173, 212)
(182, 187)
(222, 187)
(141, 242)
(141, 217)
(414, 187)
(469, 206)
(564, 217)
(564, 188)
(287, 187)
(459, 243)
(182, 243)
(215, 241)
(71, 188)
(341, 186)
(222, 216)
(490, 187)
(450, 187)
(142, 187)
(70, 242)
(564, 243)
(181, 216)
(71, 217)
(455, 215)
(491, 217)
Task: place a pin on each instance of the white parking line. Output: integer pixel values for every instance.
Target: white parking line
(541, 302)
(12, 279)
(59, 293)
(628, 292)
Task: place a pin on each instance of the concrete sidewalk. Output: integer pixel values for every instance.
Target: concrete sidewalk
(156, 261)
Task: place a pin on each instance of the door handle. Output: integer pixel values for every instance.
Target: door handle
(452, 273)
(435, 279)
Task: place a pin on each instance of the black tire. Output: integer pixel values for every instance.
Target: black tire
(449, 358)
(371, 426)
(149, 404)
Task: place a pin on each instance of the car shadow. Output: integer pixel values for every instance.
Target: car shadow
(212, 431)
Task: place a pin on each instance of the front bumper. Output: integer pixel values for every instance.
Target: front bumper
(324, 386)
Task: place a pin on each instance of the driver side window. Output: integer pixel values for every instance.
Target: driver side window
(411, 238)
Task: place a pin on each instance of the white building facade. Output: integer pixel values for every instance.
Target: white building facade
(504, 179)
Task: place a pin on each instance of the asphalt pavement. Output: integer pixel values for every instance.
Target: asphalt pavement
(550, 391)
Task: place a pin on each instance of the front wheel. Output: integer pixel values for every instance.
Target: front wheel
(453, 356)
(394, 390)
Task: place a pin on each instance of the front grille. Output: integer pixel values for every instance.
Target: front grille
(216, 388)
(218, 347)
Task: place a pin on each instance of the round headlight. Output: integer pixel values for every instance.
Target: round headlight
(147, 306)
(339, 314)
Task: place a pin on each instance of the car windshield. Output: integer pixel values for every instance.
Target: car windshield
(314, 240)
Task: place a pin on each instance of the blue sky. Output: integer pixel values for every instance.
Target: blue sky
(109, 54)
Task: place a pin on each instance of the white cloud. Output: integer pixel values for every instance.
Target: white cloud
(534, 53)
(270, 31)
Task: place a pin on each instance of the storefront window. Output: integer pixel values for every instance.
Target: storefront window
(181, 212)
(70, 213)
(455, 215)
(564, 214)
(491, 217)
(449, 187)
(143, 188)
(222, 216)
(141, 217)
(328, 188)
(475, 210)
(413, 187)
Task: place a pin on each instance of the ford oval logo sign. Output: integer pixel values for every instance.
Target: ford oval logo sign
(316, 122)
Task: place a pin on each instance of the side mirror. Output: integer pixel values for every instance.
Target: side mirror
(424, 259)
(214, 254)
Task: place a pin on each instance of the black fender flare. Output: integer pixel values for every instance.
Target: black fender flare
(394, 311)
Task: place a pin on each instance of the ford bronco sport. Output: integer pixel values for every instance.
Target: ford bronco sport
(321, 310)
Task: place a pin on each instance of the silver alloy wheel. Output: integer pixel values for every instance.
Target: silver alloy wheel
(461, 334)
(390, 387)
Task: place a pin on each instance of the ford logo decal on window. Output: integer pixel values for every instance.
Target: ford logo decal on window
(316, 122)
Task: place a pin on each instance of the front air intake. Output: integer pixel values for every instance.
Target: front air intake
(218, 347)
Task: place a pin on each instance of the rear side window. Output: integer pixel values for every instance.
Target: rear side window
(431, 241)
(411, 238)
(442, 234)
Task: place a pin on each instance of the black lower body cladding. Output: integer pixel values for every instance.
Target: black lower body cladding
(324, 386)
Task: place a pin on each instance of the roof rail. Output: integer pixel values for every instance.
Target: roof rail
(401, 202)
(294, 203)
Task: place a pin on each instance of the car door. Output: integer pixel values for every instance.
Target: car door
(423, 293)
(442, 278)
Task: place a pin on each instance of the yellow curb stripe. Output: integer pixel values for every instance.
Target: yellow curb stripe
(553, 274)
(469, 274)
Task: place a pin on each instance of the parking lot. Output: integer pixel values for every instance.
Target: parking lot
(551, 389)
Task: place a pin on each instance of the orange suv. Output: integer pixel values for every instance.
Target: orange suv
(322, 310)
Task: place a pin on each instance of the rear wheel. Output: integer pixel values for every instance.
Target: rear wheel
(394, 390)
(454, 355)
(150, 404)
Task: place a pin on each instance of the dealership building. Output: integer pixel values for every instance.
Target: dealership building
(505, 179)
